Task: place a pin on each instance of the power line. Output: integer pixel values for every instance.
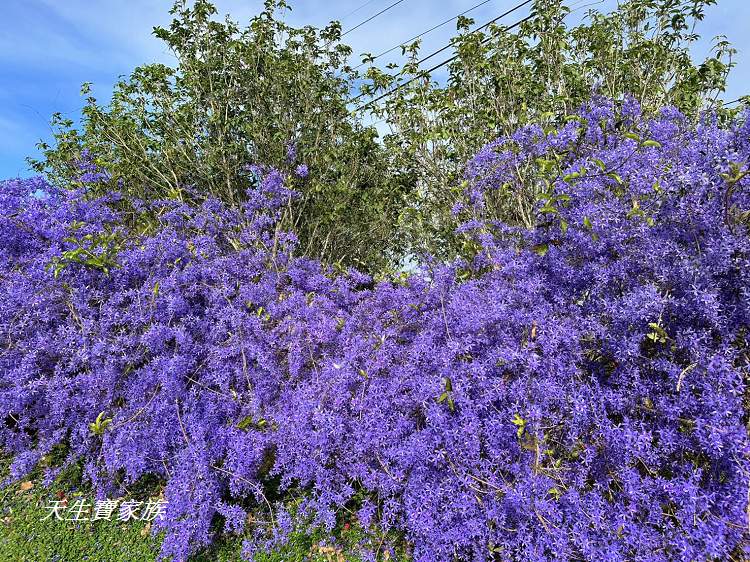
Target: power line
(740, 99)
(430, 70)
(485, 26)
(438, 26)
(357, 9)
(384, 10)
(447, 61)
(580, 6)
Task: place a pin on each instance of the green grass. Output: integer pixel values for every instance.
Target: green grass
(25, 536)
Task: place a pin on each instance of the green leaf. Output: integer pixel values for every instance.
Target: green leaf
(99, 426)
(451, 405)
(541, 249)
(600, 164)
(520, 423)
(447, 395)
(245, 423)
(652, 143)
(658, 334)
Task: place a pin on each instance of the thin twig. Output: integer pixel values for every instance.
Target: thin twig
(139, 412)
(255, 486)
(182, 427)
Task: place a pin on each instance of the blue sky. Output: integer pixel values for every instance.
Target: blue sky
(48, 48)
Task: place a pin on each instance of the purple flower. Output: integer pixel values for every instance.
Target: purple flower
(573, 392)
(291, 152)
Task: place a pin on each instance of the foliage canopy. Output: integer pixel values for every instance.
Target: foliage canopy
(272, 95)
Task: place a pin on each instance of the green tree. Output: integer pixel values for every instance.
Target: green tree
(539, 72)
(274, 95)
(267, 94)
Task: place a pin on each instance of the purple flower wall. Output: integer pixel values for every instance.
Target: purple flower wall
(575, 392)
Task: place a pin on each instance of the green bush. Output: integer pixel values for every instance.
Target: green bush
(540, 71)
(275, 95)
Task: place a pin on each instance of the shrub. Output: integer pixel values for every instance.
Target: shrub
(283, 96)
(574, 391)
(537, 72)
(237, 95)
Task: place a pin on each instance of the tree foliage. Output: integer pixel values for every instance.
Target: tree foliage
(540, 72)
(267, 94)
(273, 95)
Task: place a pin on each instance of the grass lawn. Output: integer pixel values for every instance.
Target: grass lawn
(26, 536)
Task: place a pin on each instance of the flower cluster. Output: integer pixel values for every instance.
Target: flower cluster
(573, 392)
